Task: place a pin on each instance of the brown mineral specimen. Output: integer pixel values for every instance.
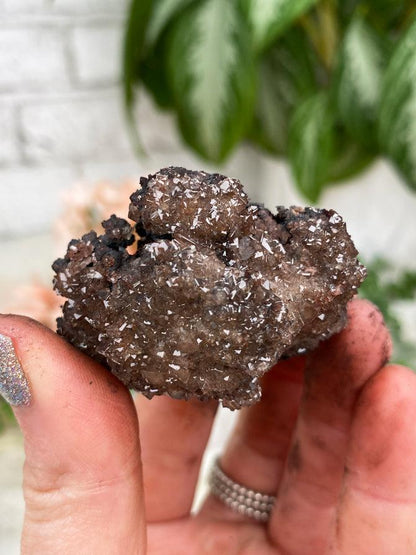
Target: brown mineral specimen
(216, 293)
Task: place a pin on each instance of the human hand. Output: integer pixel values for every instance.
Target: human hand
(333, 437)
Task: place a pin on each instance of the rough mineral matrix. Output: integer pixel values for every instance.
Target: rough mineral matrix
(217, 289)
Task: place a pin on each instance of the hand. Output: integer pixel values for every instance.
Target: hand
(334, 436)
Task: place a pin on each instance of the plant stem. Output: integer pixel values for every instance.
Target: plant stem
(328, 27)
(309, 26)
(322, 30)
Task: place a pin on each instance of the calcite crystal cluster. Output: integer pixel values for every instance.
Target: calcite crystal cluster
(206, 292)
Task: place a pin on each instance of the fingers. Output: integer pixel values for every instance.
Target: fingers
(263, 432)
(173, 436)
(334, 374)
(257, 449)
(377, 513)
(82, 475)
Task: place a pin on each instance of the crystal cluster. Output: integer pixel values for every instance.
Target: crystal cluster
(215, 292)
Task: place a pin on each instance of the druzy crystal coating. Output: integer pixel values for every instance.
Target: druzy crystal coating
(206, 291)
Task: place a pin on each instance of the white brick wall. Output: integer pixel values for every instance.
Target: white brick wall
(89, 44)
(65, 7)
(61, 117)
(32, 59)
(76, 130)
(22, 6)
(88, 7)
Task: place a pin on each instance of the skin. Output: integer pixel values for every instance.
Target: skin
(333, 437)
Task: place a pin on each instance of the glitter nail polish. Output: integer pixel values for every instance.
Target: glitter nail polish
(14, 386)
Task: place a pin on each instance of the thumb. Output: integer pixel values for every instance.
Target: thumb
(82, 475)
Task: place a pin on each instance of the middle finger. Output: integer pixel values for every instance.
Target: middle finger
(257, 449)
(173, 437)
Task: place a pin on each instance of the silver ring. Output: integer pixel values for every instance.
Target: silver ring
(239, 498)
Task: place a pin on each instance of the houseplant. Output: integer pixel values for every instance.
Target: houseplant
(327, 85)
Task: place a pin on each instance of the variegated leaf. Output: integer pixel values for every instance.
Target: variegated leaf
(269, 18)
(361, 67)
(348, 159)
(212, 74)
(310, 144)
(397, 117)
(153, 73)
(163, 11)
(287, 75)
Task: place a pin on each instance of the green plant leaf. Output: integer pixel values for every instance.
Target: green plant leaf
(397, 116)
(212, 74)
(6, 415)
(286, 75)
(269, 18)
(163, 11)
(153, 73)
(360, 71)
(384, 290)
(311, 144)
(386, 16)
(348, 159)
(389, 15)
(134, 39)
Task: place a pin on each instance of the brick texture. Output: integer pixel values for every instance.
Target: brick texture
(89, 43)
(32, 59)
(88, 7)
(61, 117)
(77, 131)
(23, 6)
(64, 7)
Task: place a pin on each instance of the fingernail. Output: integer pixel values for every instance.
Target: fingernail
(13, 383)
